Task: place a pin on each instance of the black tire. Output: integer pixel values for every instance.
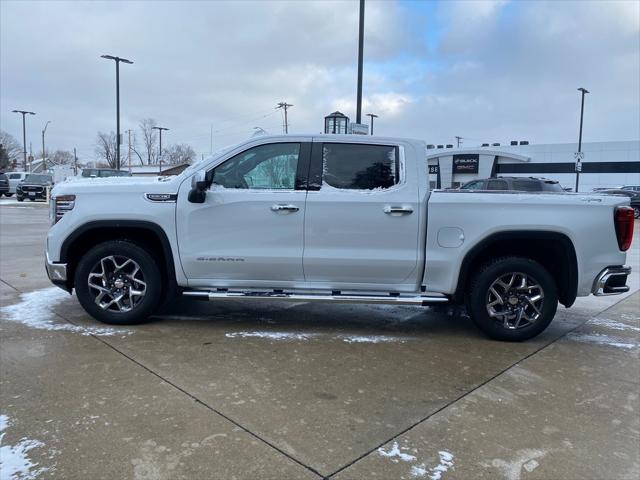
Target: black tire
(20, 199)
(119, 249)
(479, 297)
(636, 212)
(8, 194)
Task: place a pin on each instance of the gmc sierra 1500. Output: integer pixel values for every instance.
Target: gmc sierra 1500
(340, 218)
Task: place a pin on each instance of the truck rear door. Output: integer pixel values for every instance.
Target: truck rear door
(362, 217)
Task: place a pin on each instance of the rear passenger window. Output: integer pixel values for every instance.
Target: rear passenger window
(360, 167)
(526, 186)
(14, 176)
(497, 185)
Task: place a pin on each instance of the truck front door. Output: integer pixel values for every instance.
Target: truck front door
(250, 227)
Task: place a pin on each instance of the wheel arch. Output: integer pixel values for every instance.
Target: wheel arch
(553, 250)
(142, 233)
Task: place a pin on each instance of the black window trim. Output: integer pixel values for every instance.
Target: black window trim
(314, 177)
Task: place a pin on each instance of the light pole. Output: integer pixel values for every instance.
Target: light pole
(160, 129)
(360, 55)
(584, 91)
(117, 60)
(24, 136)
(44, 160)
(372, 115)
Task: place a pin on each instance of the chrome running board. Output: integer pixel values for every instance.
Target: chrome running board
(391, 299)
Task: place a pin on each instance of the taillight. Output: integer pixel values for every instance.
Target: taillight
(623, 220)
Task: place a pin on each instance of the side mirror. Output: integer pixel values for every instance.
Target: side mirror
(200, 183)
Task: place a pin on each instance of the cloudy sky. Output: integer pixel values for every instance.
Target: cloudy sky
(487, 71)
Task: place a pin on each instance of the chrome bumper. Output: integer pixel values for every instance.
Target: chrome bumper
(611, 281)
(57, 272)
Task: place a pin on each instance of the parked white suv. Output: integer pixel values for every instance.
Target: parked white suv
(14, 179)
(333, 218)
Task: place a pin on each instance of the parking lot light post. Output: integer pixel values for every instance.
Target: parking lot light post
(160, 129)
(117, 60)
(44, 159)
(24, 136)
(583, 91)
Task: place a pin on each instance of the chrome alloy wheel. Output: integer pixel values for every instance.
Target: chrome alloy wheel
(118, 283)
(515, 299)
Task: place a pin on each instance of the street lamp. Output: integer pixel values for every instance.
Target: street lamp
(160, 129)
(117, 60)
(372, 115)
(44, 160)
(584, 91)
(24, 136)
(360, 55)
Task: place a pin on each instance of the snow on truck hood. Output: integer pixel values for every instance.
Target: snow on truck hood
(118, 184)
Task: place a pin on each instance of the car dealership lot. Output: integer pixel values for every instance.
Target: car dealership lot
(276, 390)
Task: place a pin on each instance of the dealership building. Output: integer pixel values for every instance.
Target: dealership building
(603, 164)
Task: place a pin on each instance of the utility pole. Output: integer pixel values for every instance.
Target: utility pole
(160, 129)
(75, 161)
(118, 138)
(372, 115)
(285, 105)
(458, 140)
(44, 159)
(360, 60)
(579, 154)
(24, 136)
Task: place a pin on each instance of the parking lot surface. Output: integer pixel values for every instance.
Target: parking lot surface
(285, 391)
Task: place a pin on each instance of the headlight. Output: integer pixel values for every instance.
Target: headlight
(60, 205)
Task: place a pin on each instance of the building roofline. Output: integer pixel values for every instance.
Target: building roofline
(480, 151)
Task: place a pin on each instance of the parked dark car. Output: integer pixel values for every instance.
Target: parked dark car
(633, 196)
(4, 185)
(633, 188)
(521, 184)
(104, 172)
(34, 187)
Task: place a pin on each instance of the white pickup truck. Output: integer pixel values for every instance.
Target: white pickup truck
(333, 218)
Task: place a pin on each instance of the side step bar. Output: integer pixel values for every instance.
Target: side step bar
(422, 300)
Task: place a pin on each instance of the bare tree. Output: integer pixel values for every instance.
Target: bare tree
(61, 157)
(106, 148)
(178, 153)
(12, 148)
(149, 137)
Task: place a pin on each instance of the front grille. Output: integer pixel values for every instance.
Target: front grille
(32, 188)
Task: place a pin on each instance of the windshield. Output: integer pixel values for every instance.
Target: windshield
(38, 178)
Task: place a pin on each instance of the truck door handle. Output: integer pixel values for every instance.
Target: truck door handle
(286, 208)
(389, 210)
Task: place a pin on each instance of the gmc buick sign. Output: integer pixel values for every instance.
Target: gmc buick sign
(466, 163)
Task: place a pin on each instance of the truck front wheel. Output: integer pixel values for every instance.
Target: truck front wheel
(512, 299)
(118, 282)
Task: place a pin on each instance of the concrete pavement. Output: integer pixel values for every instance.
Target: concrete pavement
(271, 390)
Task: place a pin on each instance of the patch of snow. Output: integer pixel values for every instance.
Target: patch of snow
(14, 459)
(446, 462)
(612, 324)
(396, 452)
(290, 336)
(271, 335)
(602, 339)
(35, 310)
(525, 459)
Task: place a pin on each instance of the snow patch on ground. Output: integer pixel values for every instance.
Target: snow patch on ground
(291, 336)
(435, 473)
(35, 310)
(526, 459)
(612, 324)
(14, 459)
(602, 339)
(396, 452)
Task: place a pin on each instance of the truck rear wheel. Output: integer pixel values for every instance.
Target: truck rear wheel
(118, 282)
(512, 299)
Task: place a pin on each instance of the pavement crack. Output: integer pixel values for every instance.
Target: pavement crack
(201, 402)
(462, 396)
